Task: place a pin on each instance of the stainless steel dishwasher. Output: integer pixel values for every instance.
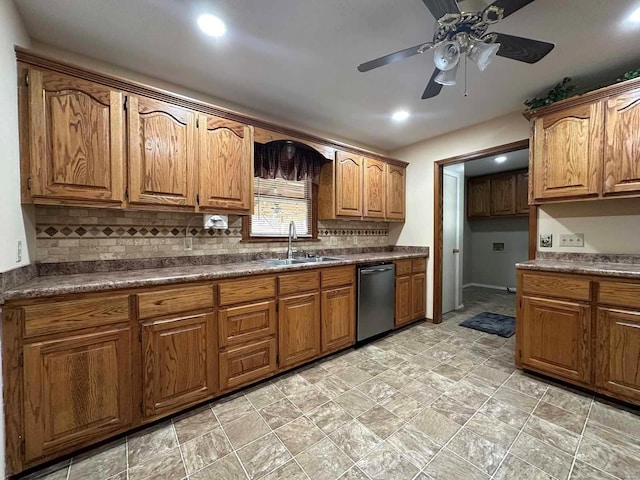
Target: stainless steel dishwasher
(376, 300)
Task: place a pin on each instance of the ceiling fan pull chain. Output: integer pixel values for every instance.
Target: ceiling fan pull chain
(466, 93)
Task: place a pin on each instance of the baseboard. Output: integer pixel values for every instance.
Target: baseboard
(485, 285)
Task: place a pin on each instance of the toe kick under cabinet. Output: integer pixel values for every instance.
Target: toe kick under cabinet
(581, 329)
(81, 368)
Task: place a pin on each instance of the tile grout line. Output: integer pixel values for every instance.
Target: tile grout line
(184, 464)
(584, 428)
(233, 449)
(71, 463)
(126, 452)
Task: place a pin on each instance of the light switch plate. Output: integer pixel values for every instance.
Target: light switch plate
(572, 239)
(546, 240)
(333, 240)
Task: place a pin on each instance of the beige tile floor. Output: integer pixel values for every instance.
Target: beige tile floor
(429, 402)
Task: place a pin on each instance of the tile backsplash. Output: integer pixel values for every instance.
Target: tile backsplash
(70, 234)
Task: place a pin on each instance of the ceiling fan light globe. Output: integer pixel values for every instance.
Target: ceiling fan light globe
(483, 53)
(447, 77)
(446, 56)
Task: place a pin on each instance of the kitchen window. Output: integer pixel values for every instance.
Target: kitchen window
(278, 202)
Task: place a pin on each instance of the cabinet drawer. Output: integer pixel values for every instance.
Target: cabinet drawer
(403, 267)
(246, 323)
(336, 277)
(299, 282)
(620, 294)
(239, 291)
(248, 363)
(556, 286)
(49, 318)
(175, 300)
(419, 265)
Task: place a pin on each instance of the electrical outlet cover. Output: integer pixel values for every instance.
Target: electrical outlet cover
(572, 240)
(546, 240)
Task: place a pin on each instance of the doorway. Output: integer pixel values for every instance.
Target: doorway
(451, 218)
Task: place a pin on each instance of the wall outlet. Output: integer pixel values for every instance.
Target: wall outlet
(19, 255)
(188, 244)
(333, 240)
(355, 239)
(572, 239)
(546, 240)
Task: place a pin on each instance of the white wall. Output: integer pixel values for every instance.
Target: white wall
(609, 226)
(491, 268)
(418, 229)
(16, 223)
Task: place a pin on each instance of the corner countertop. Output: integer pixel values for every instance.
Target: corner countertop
(600, 267)
(47, 286)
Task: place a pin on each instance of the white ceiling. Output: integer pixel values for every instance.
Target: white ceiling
(486, 166)
(296, 60)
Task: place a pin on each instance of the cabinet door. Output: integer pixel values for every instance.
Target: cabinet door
(622, 145)
(76, 139)
(404, 305)
(226, 165)
(418, 295)
(247, 363)
(162, 153)
(77, 390)
(374, 188)
(396, 192)
(338, 318)
(179, 363)
(522, 193)
(478, 197)
(299, 329)
(554, 337)
(349, 170)
(618, 351)
(567, 153)
(503, 195)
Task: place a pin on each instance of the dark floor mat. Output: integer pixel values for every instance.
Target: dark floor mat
(493, 323)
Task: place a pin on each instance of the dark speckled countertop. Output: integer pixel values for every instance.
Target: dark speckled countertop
(46, 286)
(623, 266)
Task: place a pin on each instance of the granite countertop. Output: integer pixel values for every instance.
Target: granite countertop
(45, 286)
(585, 267)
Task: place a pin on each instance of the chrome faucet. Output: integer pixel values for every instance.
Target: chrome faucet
(292, 236)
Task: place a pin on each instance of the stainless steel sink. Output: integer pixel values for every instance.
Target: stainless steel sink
(299, 261)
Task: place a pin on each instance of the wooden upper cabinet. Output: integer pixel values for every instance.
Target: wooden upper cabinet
(374, 188)
(503, 194)
(299, 329)
(567, 153)
(617, 352)
(522, 193)
(622, 144)
(76, 140)
(555, 337)
(479, 197)
(396, 192)
(77, 390)
(349, 173)
(226, 165)
(162, 153)
(179, 363)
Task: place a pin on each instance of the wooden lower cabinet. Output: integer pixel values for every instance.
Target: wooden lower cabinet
(338, 318)
(555, 337)
(77, 390)
(246, 323)
(411, 291)
(404, 303)
(618, 352)
(418, 299)
(179, 363)
(299, 329)
(247, 363)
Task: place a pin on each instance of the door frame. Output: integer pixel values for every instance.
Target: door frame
(438, 213)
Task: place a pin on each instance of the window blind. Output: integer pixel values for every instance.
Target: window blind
(277, 202)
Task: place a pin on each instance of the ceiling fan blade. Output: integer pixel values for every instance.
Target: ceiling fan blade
(394, 57)
(511, 6)
(433, 87)
(522, 49)
(439, 8)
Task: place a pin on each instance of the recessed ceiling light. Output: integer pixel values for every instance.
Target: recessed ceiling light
(500, 159)
(635, 15)
(400, 116)
(211, 25)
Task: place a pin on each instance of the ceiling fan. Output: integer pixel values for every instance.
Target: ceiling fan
(459, 33)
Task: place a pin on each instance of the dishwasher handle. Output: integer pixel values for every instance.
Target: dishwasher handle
(376, 270)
